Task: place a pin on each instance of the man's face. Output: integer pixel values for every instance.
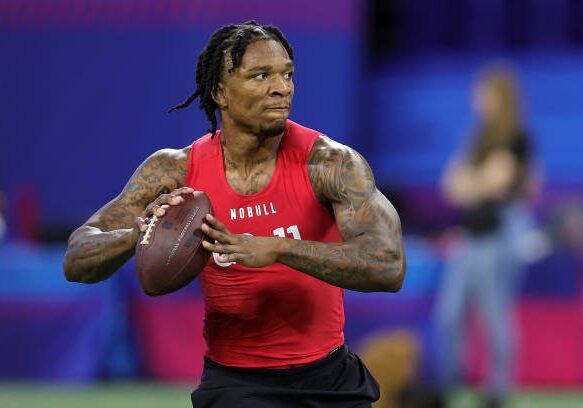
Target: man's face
(257, 95)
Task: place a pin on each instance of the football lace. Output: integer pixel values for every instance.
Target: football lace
(145, 240)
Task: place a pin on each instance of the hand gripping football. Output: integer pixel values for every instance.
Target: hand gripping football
(169, 254)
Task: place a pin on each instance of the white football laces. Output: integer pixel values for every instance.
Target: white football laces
(145, 240)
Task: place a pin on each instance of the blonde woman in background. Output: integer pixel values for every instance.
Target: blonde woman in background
(488, 182)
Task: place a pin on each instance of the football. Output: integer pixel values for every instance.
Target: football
(169, 254)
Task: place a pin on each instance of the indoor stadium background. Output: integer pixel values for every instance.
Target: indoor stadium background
(84, 88)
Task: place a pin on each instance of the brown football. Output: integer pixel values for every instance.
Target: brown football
(169, 254)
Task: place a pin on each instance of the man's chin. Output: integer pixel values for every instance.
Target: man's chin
(274, 128)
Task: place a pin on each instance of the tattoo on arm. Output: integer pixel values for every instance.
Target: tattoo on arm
(371, 256)
(341, 177)
(159, 174)
(107, 240)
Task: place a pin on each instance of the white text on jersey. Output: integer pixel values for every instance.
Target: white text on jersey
(252, 211)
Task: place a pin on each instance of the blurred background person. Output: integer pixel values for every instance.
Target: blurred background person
(490, 181)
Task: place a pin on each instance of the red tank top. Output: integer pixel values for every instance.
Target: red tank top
(272, 316)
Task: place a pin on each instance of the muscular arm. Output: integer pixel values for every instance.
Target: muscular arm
(108, 239)
(371, 258)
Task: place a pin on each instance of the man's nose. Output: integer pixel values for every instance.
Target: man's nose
(281, 86)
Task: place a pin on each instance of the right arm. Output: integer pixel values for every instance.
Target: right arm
(108, 239)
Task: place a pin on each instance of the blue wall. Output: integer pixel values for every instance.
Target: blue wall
(82, 108)
(420, 109)
(83, 96)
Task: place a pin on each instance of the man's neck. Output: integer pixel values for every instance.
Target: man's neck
(245, 150)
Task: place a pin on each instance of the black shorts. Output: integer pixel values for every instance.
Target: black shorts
(338, 380)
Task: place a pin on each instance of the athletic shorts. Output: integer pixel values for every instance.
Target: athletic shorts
(338, 380)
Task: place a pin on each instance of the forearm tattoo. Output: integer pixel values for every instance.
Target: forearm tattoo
(371, 256)
(161, 173)
(107, 240)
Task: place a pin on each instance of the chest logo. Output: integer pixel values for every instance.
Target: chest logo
(258, 210)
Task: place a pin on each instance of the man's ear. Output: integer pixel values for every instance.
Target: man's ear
(219, 96)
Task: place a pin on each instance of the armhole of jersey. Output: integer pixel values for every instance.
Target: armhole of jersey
(189, 166)
(307, 171)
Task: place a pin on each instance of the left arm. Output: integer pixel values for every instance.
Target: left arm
(371, 258)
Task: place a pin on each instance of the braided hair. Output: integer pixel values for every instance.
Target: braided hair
(227, 43)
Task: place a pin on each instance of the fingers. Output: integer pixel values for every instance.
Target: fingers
(235, 258)
(175, 198)
(217, 230)
(219, 248)
(182, 190)
(227, 253)
(158, 207)
(160, 204)
(142, 224)
(155, 209)
(222, 237)
(160, 210)
(216, 224)
(172, 199)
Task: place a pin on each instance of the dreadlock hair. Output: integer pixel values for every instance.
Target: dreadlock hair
(228, 43)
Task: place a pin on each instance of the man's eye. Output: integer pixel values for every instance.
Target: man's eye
(288, 75)
(263, 75)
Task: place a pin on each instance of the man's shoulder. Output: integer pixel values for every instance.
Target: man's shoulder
(294, 127)
(316, 142)
(326, 149)
(170, 161)
(171, 155)
(332, 166)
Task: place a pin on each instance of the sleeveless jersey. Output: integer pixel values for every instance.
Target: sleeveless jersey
(273, 316)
